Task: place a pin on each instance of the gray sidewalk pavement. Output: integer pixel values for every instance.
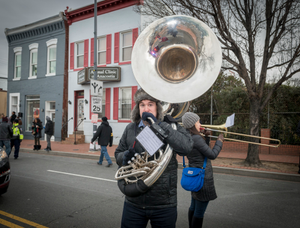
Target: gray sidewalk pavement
(82, 151)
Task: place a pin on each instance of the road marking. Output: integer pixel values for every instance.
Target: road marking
(78, 175)
(9, 224)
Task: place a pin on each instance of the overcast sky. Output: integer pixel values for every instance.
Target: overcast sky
(15, 13)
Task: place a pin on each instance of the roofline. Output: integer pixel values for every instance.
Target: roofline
(103, 7)
(49, 20)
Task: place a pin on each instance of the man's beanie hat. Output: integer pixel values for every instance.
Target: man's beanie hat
(189, 119)
(142, 95)
(104, 118)
(47, 118)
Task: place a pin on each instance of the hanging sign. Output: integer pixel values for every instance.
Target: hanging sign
(96, 104)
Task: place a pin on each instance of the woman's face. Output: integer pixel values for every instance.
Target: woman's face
(198, 126)
(148, 106)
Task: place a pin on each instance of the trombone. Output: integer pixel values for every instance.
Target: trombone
(222, 126)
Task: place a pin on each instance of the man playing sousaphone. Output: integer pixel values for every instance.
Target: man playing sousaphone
(158, 203)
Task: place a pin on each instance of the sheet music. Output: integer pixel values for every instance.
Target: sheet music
(149, 140)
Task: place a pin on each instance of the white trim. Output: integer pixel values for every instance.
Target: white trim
(51, 42)
(17, 49)
(15, 56)
(121, 45)
(32, 77)
(32, 50)
(16, 79)
(10, 102)
(103, 51)
(33, 46)
(75, 55)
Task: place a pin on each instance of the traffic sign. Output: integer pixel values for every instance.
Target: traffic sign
(97, 104)
(96, 88)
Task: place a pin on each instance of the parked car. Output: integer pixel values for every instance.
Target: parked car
(4, 171)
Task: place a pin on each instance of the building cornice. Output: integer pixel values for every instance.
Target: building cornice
(103, 7)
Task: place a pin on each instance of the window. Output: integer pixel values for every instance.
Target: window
(18, 61)
(100, 115)
(33, 60)
(14, 99)
(101, 52)
(125, 103)
(51, 57)
(126, 46)
(32, 110)
(79, 54)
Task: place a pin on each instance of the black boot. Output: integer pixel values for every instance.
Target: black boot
(197, 222)
(38, 147)
(34, 147)
(190, 216)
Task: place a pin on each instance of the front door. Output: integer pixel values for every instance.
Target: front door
(80, 114)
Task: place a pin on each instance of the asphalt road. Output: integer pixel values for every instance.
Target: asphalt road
(55, 191)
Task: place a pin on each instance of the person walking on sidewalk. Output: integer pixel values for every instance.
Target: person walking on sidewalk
(105, 137)
(200, 151)
(16, 138)
(5, 135)
(37, 128)
(49, 130)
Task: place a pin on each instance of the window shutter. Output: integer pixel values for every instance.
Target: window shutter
(116, 50)
(71, 56)
(92, 52)
(135, 34)
(86, 53)
(116, 103)
(107, 103)
(108, 49)
(134, 89)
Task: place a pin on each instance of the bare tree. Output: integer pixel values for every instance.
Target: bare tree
(258, 38)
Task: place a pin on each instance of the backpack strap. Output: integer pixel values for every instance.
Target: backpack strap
(204, 164)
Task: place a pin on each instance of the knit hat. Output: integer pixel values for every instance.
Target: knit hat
(104, 118)
(142, 95)
(47, 118)
(189, 119)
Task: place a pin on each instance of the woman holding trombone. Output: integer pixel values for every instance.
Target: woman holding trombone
(196, 157)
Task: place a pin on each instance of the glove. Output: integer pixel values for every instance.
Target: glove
(128, 154)
(145, 116)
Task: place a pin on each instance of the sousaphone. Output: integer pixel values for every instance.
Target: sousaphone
(175, 59)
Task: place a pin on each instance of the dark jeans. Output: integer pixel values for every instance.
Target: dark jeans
(199, 207)
(134, 217)
(16, 143)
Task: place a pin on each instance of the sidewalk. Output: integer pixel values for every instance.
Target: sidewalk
(82, 150)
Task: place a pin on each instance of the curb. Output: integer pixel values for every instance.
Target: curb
(217, 169)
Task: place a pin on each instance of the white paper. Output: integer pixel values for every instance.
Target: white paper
(97, 146)
(91, 146)
(230, 120)
(149, 140)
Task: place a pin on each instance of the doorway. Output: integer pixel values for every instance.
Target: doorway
(79, 111)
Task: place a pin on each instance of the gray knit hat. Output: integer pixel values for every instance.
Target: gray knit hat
(189, 119)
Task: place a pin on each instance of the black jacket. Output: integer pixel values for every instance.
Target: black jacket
(163, 193)
(196, 159)
(37, 131)
(49, 128)
(5, 131)
(104, 134)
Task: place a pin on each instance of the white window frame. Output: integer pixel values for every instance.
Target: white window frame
(32, 48)
(101, 51)
(75, 55)
(17, 51)
(120, 102)
(51, 44)
(11, 96)
(122, 47)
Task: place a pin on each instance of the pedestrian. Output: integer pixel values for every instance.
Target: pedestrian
(200, 151)
(16, 140)
(5, 135)
(13, 117)
(298, 133)
(49, 130)
(37, 128)
(105, 136)
(157, 203)
(2, 115)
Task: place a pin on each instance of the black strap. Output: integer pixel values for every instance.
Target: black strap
(204, 164)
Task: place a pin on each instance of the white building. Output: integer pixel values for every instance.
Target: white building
(118, 27)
